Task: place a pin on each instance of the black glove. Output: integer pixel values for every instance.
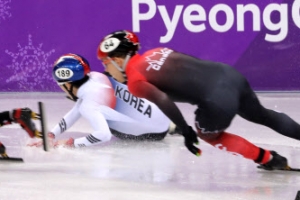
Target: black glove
(190, 138)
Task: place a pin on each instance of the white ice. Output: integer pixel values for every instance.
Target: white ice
(122, 170)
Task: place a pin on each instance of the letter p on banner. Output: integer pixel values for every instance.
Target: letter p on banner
(137, 16)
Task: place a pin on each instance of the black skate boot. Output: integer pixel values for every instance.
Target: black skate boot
(2, 151)
(278, 162)
(2, 148)
(23, 117)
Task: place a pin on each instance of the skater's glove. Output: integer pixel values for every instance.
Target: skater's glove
(190, 138)
(68, 143)
(65, 143)
(51, 141)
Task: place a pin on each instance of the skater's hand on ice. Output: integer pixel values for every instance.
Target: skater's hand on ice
(190, 138)
(66, 143)
(51, 142)
(54, 143)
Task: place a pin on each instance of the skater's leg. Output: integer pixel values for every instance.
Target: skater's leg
(5, 118)
(23, 116)
(251, 109)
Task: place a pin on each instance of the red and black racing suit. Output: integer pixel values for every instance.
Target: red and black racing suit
(164, 76)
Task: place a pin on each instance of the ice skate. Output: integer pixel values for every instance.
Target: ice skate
(2, 150)
(5, 157)
(23, 116)
(278, 162)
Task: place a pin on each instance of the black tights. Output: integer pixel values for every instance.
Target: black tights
(251, 109)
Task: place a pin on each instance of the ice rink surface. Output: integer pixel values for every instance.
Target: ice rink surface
(122, 170)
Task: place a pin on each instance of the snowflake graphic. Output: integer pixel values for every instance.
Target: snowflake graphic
(30, 67)
(4, 7)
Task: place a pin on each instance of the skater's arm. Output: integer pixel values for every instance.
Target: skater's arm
(148, 91)
(166, 105)
(67, 121)
(101, 132)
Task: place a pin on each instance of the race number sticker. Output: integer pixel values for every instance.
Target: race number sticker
(64, 73)
(109, 45)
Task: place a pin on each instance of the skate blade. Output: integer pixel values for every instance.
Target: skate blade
(287, 168)
(11, 159)
(291, 169)
(5, 157)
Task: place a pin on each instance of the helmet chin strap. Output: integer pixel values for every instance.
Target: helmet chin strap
(122, 69)
(128, 56)
(115, 64)
(74, 98)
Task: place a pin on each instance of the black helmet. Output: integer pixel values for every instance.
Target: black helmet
(123, 41)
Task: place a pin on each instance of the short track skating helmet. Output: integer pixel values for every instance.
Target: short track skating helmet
(70, 68)
(123, 41)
